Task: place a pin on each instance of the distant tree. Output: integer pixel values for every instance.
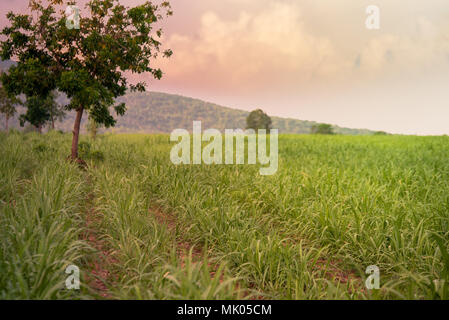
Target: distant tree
(57, 112)
(37, 112)
(380, 133)
(42, 110)
(88, 63)
(322, 128)
(7, 106)
(92, 127)
(258, 119)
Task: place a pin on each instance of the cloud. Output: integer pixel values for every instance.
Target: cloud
(269, 46)
(277, 46)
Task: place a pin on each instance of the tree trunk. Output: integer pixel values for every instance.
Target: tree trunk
(76, 133)
(6, 123)
(52, 123)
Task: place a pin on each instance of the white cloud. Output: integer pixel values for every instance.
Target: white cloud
(275, 47)
(273, 43)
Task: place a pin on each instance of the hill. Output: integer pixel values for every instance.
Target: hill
(156, 112)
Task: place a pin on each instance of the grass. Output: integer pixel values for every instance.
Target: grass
(336, 205)
(40, 215)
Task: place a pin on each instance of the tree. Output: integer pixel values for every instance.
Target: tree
(258, 119)
(57, 112)
(41, 110)
(322, 128)
(7, 106)
(92, 128)
(88, 63)
(37, 112)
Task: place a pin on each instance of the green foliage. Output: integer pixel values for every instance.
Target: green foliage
(84, 149)
(87, 151)
(322, 128)
(87, 64)
(40, 148)
(8, 104)
(97, 155)
(37, 113)
(41, 199)
(258, 119)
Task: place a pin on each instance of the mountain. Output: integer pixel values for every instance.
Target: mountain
(156, 112)
(162, 112)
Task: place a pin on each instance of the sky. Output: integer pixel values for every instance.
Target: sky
(311, 59)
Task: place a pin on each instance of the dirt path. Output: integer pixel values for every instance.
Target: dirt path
(98, 275)
(334, 272)
(182, 246)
